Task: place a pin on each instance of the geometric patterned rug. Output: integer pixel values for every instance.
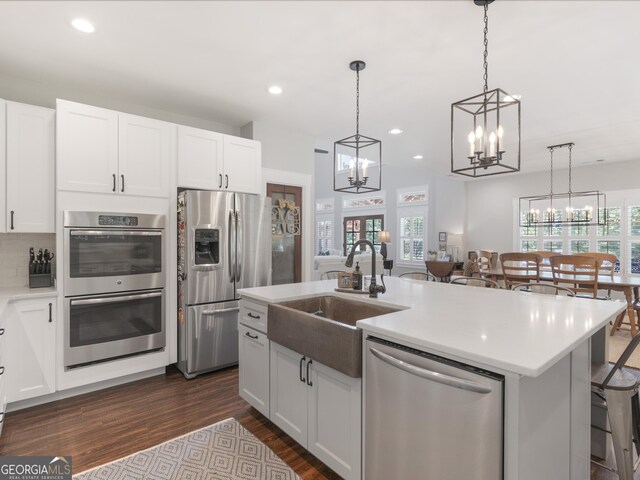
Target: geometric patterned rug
(225, 450)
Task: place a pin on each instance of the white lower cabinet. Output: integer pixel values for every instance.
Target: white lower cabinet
(30, 341)
(254, 368)
(318, 407)
(3, 370)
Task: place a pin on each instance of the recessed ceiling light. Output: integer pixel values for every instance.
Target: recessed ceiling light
(395, 131)
(83, 25)
(275, 90)
(417, 157)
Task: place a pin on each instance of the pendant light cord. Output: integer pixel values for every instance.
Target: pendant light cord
(570, 148)
(357, 103)
(551, 159)
(486, 46)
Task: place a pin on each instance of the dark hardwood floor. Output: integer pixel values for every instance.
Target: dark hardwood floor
(103, 426)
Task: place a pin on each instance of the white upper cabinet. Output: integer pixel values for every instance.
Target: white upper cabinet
(30, 168)
(242, 164)
(213, 161)
(103, 151)
(200, 163)
(87, 142)
(144, 155)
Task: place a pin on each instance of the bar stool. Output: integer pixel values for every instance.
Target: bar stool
(618, 388)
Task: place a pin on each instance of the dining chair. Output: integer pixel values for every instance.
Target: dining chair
(607, 265)
(617, 388)
(545, 263)
(579, 271)
(440, 270)
(543, 288)
(483, 261)
(426, 276)
(520, 268)
(331, 274)
(475, 282)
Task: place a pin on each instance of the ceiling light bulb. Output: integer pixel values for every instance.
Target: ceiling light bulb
(417, 157)
(275, 90)
(395, 131)
(83, 25)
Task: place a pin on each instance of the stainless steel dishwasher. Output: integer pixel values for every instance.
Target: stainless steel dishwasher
(430, 418)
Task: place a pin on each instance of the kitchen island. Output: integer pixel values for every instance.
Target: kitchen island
(538, 344)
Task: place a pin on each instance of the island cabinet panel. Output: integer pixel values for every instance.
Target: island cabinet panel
(288, 408)
(318, 407)
(334, 420)
(254, 368)
(30, 340)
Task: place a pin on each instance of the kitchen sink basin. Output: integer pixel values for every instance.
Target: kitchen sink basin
(323, 328)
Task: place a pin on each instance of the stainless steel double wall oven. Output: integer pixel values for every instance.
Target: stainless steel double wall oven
(114, 285)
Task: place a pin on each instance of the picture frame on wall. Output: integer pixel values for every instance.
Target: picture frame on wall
(442, 237)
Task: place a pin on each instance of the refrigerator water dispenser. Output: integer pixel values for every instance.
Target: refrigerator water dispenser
(207, 246)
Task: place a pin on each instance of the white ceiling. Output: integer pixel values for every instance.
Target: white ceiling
(575, 63)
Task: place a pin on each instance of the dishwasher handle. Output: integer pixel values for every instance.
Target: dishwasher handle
(431, 375)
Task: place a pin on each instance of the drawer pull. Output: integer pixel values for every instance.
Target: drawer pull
(248, 334)
(251, 315)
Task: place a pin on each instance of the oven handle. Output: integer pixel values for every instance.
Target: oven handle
(141, 233)
(97, 301)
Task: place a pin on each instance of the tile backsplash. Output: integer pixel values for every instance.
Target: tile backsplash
(14, 255)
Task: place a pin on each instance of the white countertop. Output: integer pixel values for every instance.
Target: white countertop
(8, 294)
(517, 332)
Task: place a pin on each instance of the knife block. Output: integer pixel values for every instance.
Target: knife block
(38, 280)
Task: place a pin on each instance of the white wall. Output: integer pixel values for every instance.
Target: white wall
(45, 94)
(287, 159)
(446, 201)
(489, 224)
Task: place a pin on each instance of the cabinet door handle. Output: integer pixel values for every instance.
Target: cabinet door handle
(226, 177)
(114, 183)
(248, 334)
(1, 331)
(1, 370)
(12, 213)
(220, 180)
(251, 315)
(302, 379)
(50, 312)
(309, 382)
(122, 184)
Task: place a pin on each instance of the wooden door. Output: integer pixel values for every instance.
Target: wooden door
(286, 256)
(365, 227)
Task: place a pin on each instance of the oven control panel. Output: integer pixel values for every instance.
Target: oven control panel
(117, 220)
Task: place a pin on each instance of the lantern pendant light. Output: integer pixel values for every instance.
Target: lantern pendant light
(485, 128)
(357, 159)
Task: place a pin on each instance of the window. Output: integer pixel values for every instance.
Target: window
(324, 226)
(412, 238)
(620, 235)
(363, 202)
(324, 234)
(367, 227)
(413, 203)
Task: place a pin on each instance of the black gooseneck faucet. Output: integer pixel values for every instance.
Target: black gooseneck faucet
(374, 288)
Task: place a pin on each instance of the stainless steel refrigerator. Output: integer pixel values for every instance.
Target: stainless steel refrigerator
(224, 244)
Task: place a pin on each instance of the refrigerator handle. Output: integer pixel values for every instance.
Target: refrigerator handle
(240, 244)
(232, 247)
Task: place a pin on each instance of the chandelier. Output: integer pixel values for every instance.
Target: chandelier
(485, 128)
(357, 159)
(566, 208)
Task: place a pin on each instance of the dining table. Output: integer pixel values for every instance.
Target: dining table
(628, 285)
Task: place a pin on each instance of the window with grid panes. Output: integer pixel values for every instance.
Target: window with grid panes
(608, 236)
(528, 245)
(324, 234)
(634, 239)
(412, 238)
(363, 227)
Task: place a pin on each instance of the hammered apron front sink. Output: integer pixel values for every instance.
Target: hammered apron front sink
(323, 328)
